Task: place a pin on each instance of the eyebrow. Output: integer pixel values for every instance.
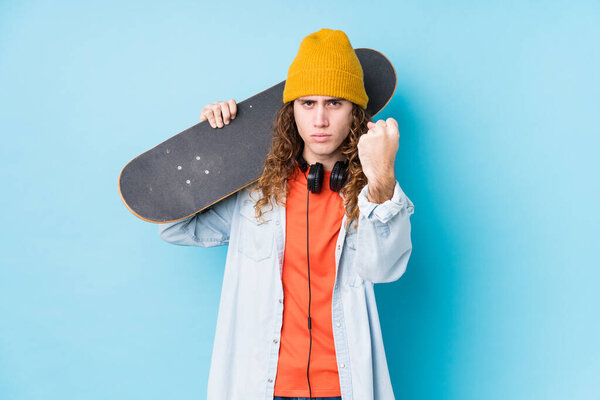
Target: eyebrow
(328, 99)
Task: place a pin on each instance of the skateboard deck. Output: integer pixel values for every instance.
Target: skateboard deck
(201, 165)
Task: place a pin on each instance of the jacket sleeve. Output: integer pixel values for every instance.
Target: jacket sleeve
(208, 228)
(383, 237)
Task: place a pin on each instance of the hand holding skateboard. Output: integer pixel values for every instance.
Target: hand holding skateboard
(219, 112)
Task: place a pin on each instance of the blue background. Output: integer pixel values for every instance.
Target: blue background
(497, 104)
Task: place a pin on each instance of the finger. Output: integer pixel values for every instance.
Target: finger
(204, 113)
(211, 118)
(372, 126)
(217, 113)
(232, 108)
(393, 125)
(378, 126)
(225, 111)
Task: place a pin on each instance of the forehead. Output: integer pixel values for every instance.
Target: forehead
(319, 98)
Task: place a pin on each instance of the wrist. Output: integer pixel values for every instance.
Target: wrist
(381, 189)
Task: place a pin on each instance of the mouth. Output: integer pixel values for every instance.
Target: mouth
(320, 138)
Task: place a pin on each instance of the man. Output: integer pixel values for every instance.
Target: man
(297, 316)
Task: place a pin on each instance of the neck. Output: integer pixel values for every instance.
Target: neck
(327, 161)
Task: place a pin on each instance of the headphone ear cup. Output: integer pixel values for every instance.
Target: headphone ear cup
(315, 177)
(338, 175)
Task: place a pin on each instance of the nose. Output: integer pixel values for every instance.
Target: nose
(320, 116)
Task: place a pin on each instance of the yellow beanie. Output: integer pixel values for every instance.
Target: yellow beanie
(326, 65)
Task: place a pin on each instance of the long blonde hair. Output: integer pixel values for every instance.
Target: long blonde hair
(287, 145)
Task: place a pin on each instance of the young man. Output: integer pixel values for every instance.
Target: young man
(297, 316)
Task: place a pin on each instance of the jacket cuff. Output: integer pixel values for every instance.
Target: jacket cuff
(384, 211)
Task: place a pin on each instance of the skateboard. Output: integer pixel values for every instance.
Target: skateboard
(201, 165)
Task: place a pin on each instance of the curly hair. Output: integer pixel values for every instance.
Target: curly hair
(287, 145)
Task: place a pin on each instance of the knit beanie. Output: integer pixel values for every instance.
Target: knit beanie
(326, 65)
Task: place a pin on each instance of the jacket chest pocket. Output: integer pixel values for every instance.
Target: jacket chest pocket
(255, 238)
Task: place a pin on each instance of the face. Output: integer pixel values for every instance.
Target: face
(323, 123)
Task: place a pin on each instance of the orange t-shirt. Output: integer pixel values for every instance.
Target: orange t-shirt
(326, 211)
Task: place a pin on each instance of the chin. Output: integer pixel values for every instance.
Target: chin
(322, 152)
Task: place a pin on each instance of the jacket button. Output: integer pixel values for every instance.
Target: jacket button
(275, 340)
(270, 380)
(338, 247)
(281, 301)
(277, 222)
(338, 324)
(342, 365)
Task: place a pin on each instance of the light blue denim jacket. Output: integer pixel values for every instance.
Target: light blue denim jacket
(246, 346)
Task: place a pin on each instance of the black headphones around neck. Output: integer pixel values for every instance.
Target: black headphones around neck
(315, 175)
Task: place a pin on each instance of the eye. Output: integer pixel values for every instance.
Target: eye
(335, 101)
